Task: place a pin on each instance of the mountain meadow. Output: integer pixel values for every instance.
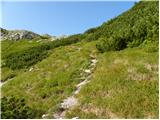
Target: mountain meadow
(107, 72)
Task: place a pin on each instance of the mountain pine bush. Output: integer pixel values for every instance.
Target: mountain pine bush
(15, 108)
(130, 29)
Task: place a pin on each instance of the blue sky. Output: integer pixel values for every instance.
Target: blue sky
(57, 18)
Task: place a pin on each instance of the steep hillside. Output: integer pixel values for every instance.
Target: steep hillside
(123, 85)
(56, 79)
(138, 26)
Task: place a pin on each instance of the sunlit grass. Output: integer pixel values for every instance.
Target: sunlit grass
(52, 79)
(124, 85)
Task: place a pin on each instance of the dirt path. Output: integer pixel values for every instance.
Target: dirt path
(2, 83)
(72, 100)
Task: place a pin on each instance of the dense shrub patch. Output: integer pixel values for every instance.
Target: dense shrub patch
(26, 58)
(30, 56)
(15, 108)
(130, 29)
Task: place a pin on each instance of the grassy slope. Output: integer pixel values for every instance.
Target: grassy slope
(14, 46)
(124, 85)
(52, 79)
(8, 47)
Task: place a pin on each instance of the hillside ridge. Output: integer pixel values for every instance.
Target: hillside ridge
(61, 79)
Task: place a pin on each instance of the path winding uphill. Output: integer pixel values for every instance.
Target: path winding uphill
(72, 101)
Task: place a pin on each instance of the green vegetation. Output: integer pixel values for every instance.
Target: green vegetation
(7, 74)
(15, 108)
(52, 79)
(9, 47)
(26, 58)
(124, 85)
(32, 55)
(138, 25)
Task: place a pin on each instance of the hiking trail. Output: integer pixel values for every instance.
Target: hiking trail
(72, 101)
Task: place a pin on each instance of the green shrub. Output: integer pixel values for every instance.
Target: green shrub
(129, 29)
(91, 30)
(30, 56)
(15, 108)
(26, 58)
(150, 46)
(112, 43)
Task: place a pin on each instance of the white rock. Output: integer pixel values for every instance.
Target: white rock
(43, 116)
(58, 116)
(69, 102)
(31, 69)
(94, 61)
(82, 83)
(75, 118)
(87, 71)
(77, 91)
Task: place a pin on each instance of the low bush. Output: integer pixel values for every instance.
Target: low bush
(129, 29)
(32, 55)
(113, 43)
(150, 46)
(15, 108)
(26, 58)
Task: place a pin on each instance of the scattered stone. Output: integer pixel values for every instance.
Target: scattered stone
(2, 83)
(69, 102)
(30, 69)
(75, 118)
(44, 116)
(92, 57)
(77, 91)
(87, 71)
(94, 61)
(72, 101)
(59, 115)
(82, 83)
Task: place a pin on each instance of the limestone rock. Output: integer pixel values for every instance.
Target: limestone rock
(17, 34)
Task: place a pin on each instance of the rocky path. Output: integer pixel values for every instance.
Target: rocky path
(2, 83)
(72, 100)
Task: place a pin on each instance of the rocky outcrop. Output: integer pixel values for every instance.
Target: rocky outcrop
(25, 34)
(17, 34)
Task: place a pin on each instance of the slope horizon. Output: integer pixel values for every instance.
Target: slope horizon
(75, 22)
(108, 72)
